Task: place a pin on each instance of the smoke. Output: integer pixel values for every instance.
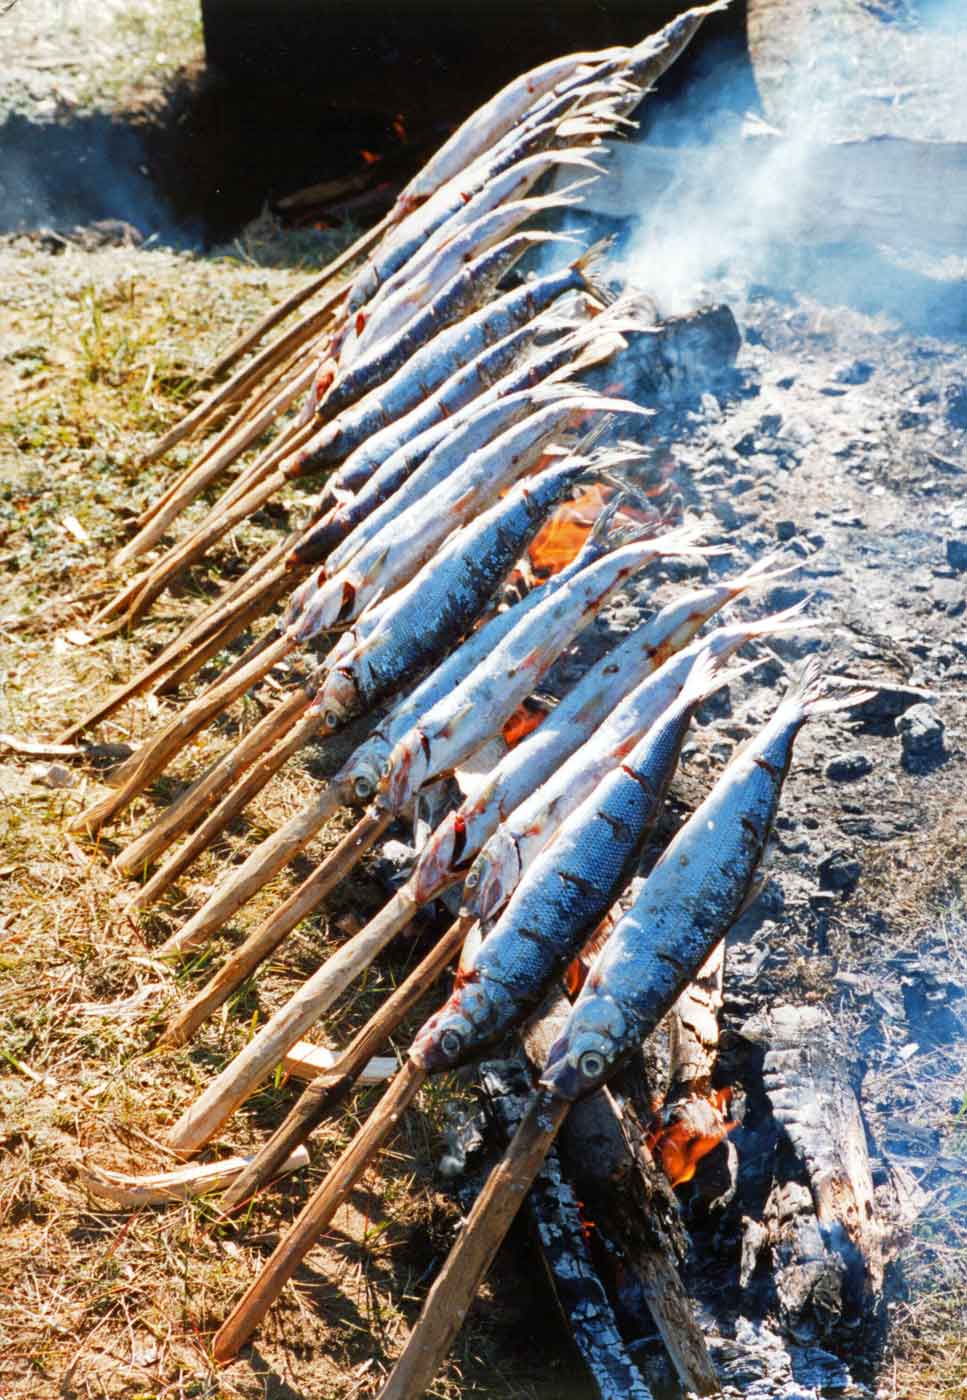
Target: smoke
(797, 193)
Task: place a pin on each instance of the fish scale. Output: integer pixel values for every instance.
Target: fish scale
(565, 894)
(688, 902)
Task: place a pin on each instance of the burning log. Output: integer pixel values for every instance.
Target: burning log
(808, 1088)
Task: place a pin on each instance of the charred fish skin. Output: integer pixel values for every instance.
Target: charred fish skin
(688, 903)
(445, 598)
(564, 896)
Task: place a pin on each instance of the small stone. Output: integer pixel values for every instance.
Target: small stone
(840, 870)
(53, 775)
(859, 372)
(957, 555)
(957, 406)
(785, 529)
(847, 767)
(921, 735)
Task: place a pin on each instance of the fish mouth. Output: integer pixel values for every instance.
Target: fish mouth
(563, 1080)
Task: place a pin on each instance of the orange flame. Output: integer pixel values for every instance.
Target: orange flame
(562, 538)
(370, 157)
(678, 1148)
(522, 722)
(399, 127)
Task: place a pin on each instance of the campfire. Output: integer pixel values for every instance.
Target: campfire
(497, 603)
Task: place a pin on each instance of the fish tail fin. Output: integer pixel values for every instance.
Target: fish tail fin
(762, 574)
(709, 673)
(579, 156)
(791, 619)
(566, 198)
(591, 267)
(814, 694)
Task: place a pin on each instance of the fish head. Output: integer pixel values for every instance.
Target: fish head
(493, 877)
(367, 765)
(406, 770)
(338, 699)
(439, 861)
(588, 1049)
(447, 1039)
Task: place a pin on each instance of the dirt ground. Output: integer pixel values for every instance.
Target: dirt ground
(842, 441)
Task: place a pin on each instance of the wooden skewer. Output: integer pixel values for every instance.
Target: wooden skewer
(242, 434)
(266, 860)
(227, 810)
(457, 1282)
(184, 813)
(237, 618)
(239, 385)
(215, 629)
(294, 436)
(317, 1213)
(260, 1056)
(278, 313)
(154, 756)
(326, 1092)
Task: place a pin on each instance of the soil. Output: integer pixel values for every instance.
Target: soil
(842, 441)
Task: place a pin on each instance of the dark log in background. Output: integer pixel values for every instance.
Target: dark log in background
(294, 93)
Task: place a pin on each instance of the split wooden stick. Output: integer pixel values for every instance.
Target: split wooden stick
(467, 1263)
(317, 1213)
(181, 1185)
(279, 313)
(325, 1093)
(262, 742)
(154, 756)
(260, 1056)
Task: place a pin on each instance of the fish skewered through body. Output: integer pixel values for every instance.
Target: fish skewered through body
(461, 836)
(393, 555)
(566, 892)
(489, 123)
(360, 774)
(435, 362)
(380, 475)
(467, 289)
(458, 723)
(406, 294)
(689, 901)
(520, 838)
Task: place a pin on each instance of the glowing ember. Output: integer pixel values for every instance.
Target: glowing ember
(522, 722)
(370, 157)
(399, 127)
(678, 1147)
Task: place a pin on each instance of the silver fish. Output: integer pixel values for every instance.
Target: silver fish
(689, 901)
(565, 894)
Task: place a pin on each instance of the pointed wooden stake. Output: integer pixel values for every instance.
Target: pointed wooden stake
(260, 1056)
(154, 756)
(318, 1212)
(325, 1093)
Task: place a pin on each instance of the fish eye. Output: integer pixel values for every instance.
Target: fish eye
(363, 787)
(472, 880)
(591, 1064)
(332, 720)
(450, 1044)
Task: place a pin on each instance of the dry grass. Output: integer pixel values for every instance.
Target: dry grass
(99, 352)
